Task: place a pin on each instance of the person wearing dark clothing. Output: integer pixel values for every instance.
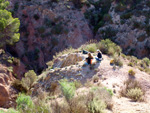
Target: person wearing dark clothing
(99, 55)
(89, 59)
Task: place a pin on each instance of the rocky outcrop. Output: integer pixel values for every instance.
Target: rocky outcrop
(67, 60)
(4, 95)
(6, 91)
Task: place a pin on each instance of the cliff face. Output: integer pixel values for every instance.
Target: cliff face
(130, 29)
(50, 26)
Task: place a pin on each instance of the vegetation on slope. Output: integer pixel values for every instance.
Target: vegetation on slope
(9, 26)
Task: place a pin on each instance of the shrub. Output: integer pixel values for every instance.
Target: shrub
(9, 26)
(141, 37)
(135, 94)
(68, 88)
(146, 61)
(19, 86)
(133, 61)
(108, 47)
(97, 106)
(109, 33)
(57, 29)
(53, 87)
(29, 79)
(131, 72)
(48, 22)
(10, 110)
(103, 94)
(91, 48)
(109, 91)
(16, 61)
(41, 29)
(16, 6)
(78, 84)
(36, 17)
(118, 62)
(120, 8)
(107, 18)
(130, 88)
(137, 24)
(24, 102)
(130, 64)
(126, 16)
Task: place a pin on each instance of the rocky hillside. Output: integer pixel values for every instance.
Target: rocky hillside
(116, 83)
(50, 26)
(71, 66)
(47, 27)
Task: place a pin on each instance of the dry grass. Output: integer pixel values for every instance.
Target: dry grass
(132, 89)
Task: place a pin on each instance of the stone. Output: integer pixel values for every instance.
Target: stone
(4, 95)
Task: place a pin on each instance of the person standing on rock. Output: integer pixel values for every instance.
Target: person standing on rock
(99, 55)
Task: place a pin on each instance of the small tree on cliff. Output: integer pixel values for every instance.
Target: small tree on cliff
(9, 26)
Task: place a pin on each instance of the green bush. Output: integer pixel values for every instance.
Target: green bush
(96, 17)
(68, 89)
(117, 62)
(16, 61)
(97, 106)
(9, 26)
(108, 33)
(146, 61)
(131, 72)
(91, 48)
(103, 94)
(17, 84)
(132, 89)
(3, 4)
(29, 79)
(135, 94)
(131, 64)
(108, 47)
(24, 102)
(109, 91)
(10, 110)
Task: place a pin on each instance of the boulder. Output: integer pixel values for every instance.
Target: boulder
(67, 60)
(4, 95)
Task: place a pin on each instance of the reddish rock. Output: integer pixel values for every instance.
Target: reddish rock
(4, 95)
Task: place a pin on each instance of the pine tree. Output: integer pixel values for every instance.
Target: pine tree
(9, 26)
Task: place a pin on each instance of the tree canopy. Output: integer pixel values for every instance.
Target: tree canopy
(9, 26)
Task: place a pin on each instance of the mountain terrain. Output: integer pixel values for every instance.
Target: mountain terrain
(42, 64)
